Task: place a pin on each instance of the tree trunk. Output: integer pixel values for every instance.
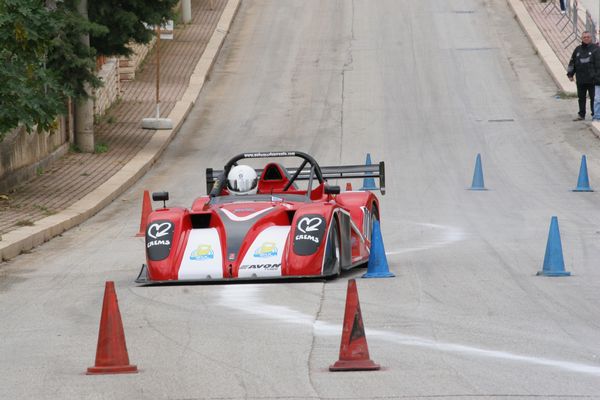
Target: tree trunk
(84, 109)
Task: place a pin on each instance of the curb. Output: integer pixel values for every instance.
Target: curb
(544, 51)
(595, 125)
(15, 242)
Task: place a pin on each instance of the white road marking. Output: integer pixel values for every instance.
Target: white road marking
(247, 299)
(448, 235)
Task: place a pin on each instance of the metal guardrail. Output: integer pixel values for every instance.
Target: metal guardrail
(570, 11)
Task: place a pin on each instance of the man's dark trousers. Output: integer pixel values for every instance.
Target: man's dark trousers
(582, 90)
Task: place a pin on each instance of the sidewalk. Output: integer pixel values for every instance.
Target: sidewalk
(544, 26)
(79, 185)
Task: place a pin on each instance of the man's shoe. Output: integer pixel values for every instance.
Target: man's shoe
(579, 118)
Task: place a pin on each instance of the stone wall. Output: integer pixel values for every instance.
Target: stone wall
(23, 154)
(113, 72)
(111, 90)
(129, 65)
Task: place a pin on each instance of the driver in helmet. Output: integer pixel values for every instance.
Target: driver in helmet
(242, 180)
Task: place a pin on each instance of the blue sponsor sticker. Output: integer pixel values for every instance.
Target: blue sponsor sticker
(202, 252)
(268, 249)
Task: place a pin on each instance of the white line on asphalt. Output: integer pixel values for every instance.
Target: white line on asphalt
(449, 235)
(247, 299)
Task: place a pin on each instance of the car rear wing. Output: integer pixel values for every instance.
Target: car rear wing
(369, 171)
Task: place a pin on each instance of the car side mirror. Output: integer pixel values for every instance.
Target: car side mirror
(161, 196)
(332, 189)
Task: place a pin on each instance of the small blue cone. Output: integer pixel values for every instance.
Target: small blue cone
(554, 264)
(477, 175)
(369, 183)
(378, 266)
(583, 182)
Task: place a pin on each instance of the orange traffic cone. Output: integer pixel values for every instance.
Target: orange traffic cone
(354, 352)
(146, 210)
(348, 187)
(111, 354)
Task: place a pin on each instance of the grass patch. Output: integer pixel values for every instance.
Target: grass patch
(108, 117)
(100, 148)
(563, 95)
(45, 210)
(73, 148)
(24, 222)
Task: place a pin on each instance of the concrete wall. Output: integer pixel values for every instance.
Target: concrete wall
(111, 90)
(23, 154)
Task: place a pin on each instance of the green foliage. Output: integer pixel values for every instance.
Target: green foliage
(100, 148)
(74, 61)
(127, 20)
(42, 61)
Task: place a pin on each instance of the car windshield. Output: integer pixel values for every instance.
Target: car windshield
(278, 175)
(278, 197)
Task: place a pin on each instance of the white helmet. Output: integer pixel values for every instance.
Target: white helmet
(242, 179)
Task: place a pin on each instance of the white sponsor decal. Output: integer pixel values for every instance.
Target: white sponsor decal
(248, 217)
(307, 224)
(158, 242)
(270, 154)
(269, 264)
(266, 267)
(196, 262)
(156, 231)
(307, 237)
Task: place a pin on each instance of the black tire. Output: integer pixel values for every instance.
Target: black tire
(333, 265)
(374, 217)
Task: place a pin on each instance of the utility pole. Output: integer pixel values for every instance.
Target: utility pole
(84, 108)
(186, 11)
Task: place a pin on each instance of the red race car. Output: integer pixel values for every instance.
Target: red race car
(264, 223)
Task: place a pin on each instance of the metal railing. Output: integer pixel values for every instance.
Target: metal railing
(571, 11)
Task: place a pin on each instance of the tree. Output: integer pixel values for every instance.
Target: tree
(42, 61)
(128, 20)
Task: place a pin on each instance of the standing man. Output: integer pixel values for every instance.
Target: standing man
(596, 58)
(582, 67)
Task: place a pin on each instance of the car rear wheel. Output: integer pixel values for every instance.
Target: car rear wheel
(373, 217)
(333, 265)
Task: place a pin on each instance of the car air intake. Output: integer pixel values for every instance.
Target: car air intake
(200, 221)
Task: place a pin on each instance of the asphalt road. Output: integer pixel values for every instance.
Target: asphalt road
(424, 86)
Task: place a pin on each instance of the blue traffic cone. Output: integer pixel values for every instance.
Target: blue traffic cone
(554, 264)
(369, 183)
(378, 266)
(583, 182)
(477, 175)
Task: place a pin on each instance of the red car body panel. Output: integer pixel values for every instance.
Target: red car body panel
(274, 234)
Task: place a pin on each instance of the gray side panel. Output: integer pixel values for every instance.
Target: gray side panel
(236, 232)
(345, 242)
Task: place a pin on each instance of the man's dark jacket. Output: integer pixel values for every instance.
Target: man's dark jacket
(584, 63)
